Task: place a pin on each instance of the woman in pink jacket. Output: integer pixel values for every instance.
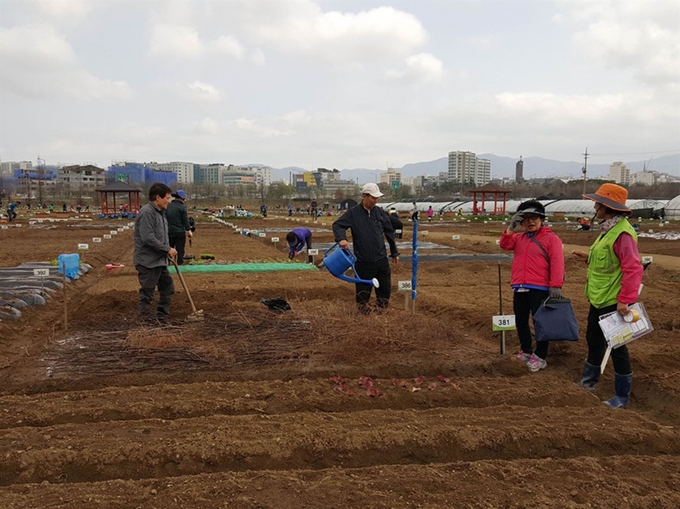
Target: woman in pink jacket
(537, 273)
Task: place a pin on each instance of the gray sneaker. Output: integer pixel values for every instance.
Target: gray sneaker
(535, 363)
(524, 357)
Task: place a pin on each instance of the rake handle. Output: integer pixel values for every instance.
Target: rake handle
(184, 285)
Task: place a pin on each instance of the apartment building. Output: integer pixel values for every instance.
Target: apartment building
(465, 167)
(645, 177)
(263, 176)
(79, 178)
(8, 168)
(185, 171)
(391, 176)
(619, 173)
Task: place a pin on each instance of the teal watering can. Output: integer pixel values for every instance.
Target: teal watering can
(339, 261)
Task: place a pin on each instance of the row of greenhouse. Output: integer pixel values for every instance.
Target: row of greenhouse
(575, 208)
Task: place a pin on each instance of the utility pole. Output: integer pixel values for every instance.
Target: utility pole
(585, 169)
(27, 174)
(41, 173)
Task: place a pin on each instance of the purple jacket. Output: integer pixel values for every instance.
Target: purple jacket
(304, 236)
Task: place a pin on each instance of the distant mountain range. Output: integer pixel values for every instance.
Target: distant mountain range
(502, 167)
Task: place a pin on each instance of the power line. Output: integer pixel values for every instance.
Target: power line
(638, 153)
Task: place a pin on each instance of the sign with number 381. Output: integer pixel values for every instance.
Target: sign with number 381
(504, 322)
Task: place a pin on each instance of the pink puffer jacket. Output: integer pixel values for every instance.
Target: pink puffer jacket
(530, 266)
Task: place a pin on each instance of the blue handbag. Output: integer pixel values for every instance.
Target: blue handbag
(555, 321)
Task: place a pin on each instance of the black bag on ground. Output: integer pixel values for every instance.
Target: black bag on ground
(278, 304)
(555, 321)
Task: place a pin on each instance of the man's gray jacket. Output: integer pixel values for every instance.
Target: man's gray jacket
(151, 237)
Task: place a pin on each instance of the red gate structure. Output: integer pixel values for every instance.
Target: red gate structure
(487, 189)
(108, 194)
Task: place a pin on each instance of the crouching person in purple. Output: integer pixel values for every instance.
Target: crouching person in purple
(297, 240)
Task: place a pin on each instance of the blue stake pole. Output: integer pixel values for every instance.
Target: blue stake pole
(414, 267)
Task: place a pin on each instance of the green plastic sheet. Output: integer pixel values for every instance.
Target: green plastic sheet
(246, 267)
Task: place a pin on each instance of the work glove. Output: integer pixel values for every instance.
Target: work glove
(516, 221)
(292, 254)
(555, 293)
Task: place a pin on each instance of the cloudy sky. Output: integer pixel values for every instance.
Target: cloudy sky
(337, 83)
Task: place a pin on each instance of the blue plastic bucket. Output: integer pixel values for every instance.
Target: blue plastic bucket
(69, 264)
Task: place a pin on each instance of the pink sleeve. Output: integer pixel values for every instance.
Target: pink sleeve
(508, 241)
(626, 250)
(556, 263)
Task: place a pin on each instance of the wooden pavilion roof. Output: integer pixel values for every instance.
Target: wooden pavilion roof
(490, 188)
(118, 187)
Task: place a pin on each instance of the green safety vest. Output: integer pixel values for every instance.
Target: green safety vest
(604, 268)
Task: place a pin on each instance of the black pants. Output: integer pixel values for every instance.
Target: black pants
(524, 304)
(149, 279)
(369, 270)
(597, 345)
(178, 241)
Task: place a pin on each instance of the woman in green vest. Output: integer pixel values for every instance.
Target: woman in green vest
(613, 283)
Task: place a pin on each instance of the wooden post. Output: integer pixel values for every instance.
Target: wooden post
(500, 302)
(65, 304)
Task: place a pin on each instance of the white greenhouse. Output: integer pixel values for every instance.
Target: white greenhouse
(568, 208)
(672, 209)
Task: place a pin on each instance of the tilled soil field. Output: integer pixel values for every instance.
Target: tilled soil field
(320, 406)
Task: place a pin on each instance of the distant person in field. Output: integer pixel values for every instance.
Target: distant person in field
(179, 227)
(414, 212)
(151, 253)
(537, 273)
(314, 209)
(11, 211)
(370, 226)
(397, 225)
(430, 214)
(297, 240)
(613, 283)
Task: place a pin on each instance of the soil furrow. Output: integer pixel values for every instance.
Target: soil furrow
(571, 483)
(159, 448)
(163, 401)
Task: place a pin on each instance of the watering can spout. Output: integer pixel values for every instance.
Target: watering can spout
(339, 261)
(373, 281)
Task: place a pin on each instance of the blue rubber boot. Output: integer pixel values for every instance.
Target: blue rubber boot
(623, 384)
(590, 376)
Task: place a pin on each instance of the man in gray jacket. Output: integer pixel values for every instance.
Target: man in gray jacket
(152, 250)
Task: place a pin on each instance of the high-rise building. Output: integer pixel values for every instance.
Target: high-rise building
(619, 173)
(391, 176)
(184, 171)
(8, 168)
(519, 170)
(263, 176)
(465, 168)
